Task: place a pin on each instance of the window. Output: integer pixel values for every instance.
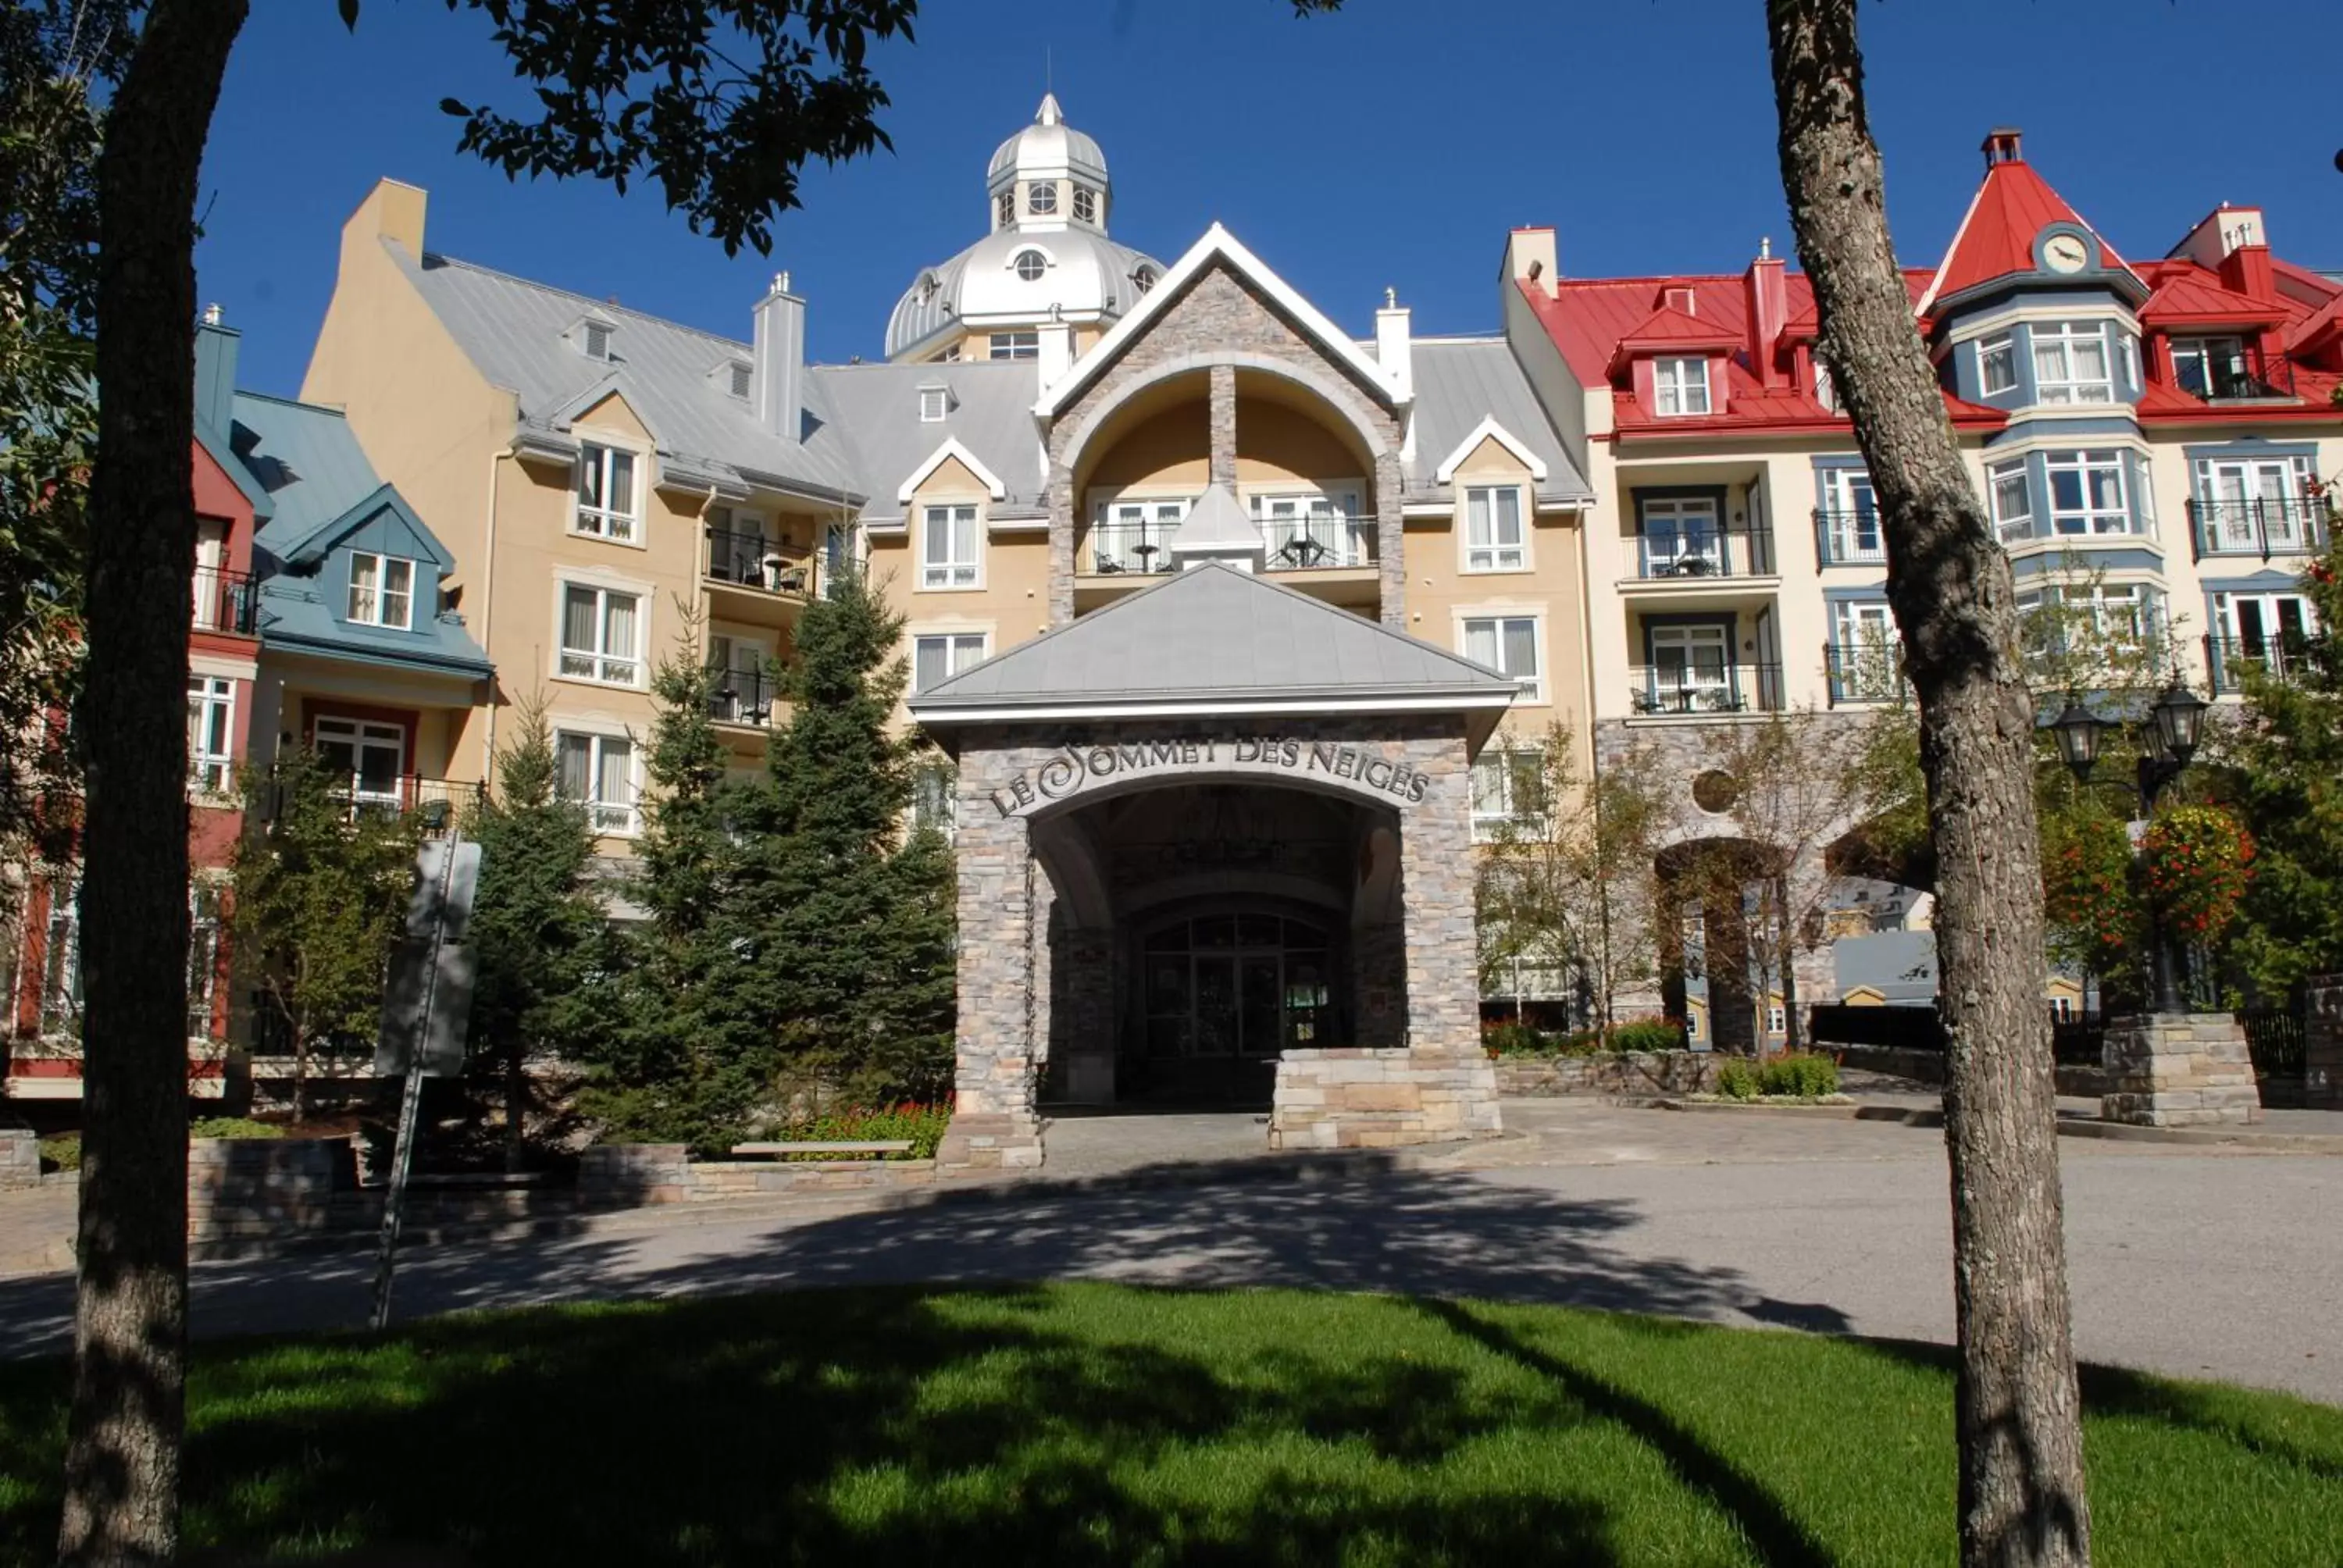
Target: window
(1017, 345)
(948, 547)
(1313, 529)
(382, 590)
(203, 958)
(1042, 197)
(1494, 541)
(370, 758)
(1862, 651)
(1691, 669)
(2011, 499)
(1508, 644)
(598, 770)
(741, 381)
(935, 402)
(1030, 265)
(931, 800)
(949, 356)
(1508, 793)
(605, 493)
(2210, 366)
(601, 633)
(2130, 347)
(938, 656)
(1777, 1018)
(1143, 279)
(211, 732)
(1085, 204)
(1682, 386)
(1135, 536)
(1826, 389)
(1852, 517)
(2070, 363)
(2254, 505)
(61, 959)
(1997, 364)
(2086, 493)
(596, 340)
(1681, 536)
(2062, 1009)
(1007, 208)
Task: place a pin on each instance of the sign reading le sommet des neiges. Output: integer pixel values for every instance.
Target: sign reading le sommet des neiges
(1078, 767)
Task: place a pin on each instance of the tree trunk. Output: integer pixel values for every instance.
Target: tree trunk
(2021, 1450)
(122, 1455)
(516, 1104)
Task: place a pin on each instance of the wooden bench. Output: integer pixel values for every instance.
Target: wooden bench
(775, 1151)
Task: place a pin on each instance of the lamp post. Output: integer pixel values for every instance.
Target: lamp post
(2174, 724)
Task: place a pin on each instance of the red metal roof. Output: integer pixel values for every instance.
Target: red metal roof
(1996, 239)
(2186, 294)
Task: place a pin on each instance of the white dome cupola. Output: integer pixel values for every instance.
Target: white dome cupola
(1048, 176)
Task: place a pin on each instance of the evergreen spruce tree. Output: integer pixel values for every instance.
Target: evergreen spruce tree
(851, 918)
(537, 929)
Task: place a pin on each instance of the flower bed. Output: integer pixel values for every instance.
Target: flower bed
(923, 1126)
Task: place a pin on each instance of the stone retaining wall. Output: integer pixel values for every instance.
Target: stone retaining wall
(240, 1188)
(1361, 1098)
(1630, 1072)
(633, 1175)
(20, 1158)
(2179, 1070)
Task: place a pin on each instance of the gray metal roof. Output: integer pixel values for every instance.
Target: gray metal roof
(1088, 273)
(877, 408)
(1213, 635)
(1217, 524)
(1459, 382)
(513, 331)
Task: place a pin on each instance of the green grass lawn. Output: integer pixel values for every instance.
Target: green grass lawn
(1089, 1424)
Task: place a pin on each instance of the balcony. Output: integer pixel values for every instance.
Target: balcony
(1845, 539)
(2227, 659)
(224, 600)
(750, 578)
(744, 698)
(2228, 370)
(1136, 544)
(438, 804)
(2265, 526)
(1704, 690)
(1318, 541)
(1705, 554)
(1864, 672)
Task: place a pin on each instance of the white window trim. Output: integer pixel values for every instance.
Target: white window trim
(948, 505)
(638, 512)
(952, 449)
(2001, 525)
(382, 570)
(356, 734)
(1527, 504)
(938, 398)
(1105, 498)
(569, 577)
(1487, 826)
(2053, 465)
(1707, 394)
(604, 729)
(200, 763)
(1488, 429)
(2003, 341)
(1535, 614)
(1346, 499)
(941, 628)
(2067, 333)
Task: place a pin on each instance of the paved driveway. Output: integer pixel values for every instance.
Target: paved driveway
(2186, 1262)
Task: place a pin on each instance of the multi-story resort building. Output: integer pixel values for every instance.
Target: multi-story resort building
(1235, 624)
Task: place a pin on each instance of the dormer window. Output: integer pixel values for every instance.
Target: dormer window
(2070, 363)
(935, 403)
(740, 376)
(1042, 197)
(1680, 386)
(1007, 208)
(1085, 205)
(2210, 367)
(605, 493)
(595, 339)
(1029, 265)
(382, 590)
(1143, 279)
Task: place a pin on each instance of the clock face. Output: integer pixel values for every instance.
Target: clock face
(2065, 253)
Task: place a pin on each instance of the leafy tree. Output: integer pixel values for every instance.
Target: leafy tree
(851, 920)
(721, 103)
(2287, 761)
(321, 895)
(536, 930)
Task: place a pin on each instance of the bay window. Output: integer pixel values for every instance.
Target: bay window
(2070, 363)
(2088, 493)
(1997, 364)
(2012, 499)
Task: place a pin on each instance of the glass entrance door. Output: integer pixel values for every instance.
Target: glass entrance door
(1236, 986)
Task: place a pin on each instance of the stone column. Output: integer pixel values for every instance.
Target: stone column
(1391, 543)
(1222, 470)
(2322, 1044)
(993, 1126)
(2179, 1070)
(1059, 493)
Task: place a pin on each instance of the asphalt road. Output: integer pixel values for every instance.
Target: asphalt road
(2190, 1263)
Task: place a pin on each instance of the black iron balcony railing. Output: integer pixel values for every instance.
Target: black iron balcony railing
(1844, 539)
(2230, 371)
(2283, 657)
(1702, 553)
(437, 804)
(1131, 544)
(1665, 690)
(1317, 540)
(224, 600)
(2266, 526)
(752, 561)
(1864, 671)
(742, 696)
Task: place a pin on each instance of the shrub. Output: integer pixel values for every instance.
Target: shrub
(1736, 1079)
(1648, 1034)
(61, 1153)
(2198, 860)
(1805, 1075)
(234, 1126)
(1514, 1039)
(1579, 1043)
(923, 1124)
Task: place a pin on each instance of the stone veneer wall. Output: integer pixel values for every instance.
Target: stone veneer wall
(1222, 325)
(2322, 1045)
(639, 1175)
(20, 1158)
(1370, 1099)
(1628, 1072)
(242, 1187)
(2179, 1070)
(1004, 1024)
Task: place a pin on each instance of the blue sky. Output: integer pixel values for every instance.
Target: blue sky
(1390, 146)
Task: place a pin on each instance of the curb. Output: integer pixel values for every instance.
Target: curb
(2325, 1144)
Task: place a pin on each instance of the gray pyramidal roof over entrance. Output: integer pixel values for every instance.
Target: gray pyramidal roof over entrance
(1212, 639)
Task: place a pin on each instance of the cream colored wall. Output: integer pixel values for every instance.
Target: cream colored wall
(1441, 593)
(1168, 453)
(1011, 603)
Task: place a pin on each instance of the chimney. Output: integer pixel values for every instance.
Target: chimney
(216, 353)
(2218, 232)
(2001, 147)
(779, 358)
(1530, 256)
(1394, 343)
(1769, 307)
(2246, 270)
(1056, 351)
